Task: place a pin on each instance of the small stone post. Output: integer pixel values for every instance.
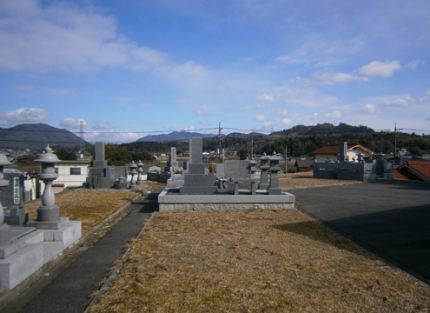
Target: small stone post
(264, 167)
(4, 228)
(48, 211)
(133, 174)
(139, 171)
(274, 178)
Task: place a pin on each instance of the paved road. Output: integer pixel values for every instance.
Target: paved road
(391, 219)
(70, 284)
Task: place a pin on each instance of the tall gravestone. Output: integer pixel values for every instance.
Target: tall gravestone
(13, 199)
(343, 149)
(197, 181)
(102, 175)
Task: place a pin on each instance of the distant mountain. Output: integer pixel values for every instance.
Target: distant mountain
(242, 135)
(174, 136)
(324, 129)
(36, 136)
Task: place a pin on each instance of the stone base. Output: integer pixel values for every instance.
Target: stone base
(174, 201)
(62, 221)
(31, 249)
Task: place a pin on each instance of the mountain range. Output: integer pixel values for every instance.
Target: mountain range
(36, 136)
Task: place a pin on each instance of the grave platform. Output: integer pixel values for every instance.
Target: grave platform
(170, 200)
(31, 248)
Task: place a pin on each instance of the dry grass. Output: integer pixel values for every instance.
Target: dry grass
(255, 261)
(90, 206)
(305, 180)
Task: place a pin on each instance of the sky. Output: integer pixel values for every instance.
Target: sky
(126, 69)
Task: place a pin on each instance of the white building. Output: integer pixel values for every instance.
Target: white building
(70, 174)
(331, 152)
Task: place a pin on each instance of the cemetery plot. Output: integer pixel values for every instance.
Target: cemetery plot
(90, 206)
(255, 261)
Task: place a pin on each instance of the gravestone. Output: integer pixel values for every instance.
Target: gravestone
(101, 175)
(197, 181)
(13, 198)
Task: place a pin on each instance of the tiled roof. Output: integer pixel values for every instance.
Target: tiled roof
(334, 149)
(418, 168)
(404, 174)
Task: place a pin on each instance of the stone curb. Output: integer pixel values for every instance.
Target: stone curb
(10, 295)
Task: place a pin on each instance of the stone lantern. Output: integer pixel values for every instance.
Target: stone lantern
(264, 167)
(274, 178)
(4, 228)
(133, 174)
(139, 172)
(48, 211)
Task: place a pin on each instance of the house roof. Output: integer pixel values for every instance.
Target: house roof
(404, 174)
(335, 149)
(420, 169)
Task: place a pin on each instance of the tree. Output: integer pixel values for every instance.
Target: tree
(65, 154)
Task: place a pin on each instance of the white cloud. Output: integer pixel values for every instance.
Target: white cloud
(261, 118)
(397, 101)
(368, 108)
(286, 121)
(334, 115)
(379, 68)
(102, 126)
(339, 78)
(270, 124)
(414, 64)
(190, 129)
(24, 115)
(63, 37)
(266, 97)
(189, 69)
(320, 51)
(283, 111)
(111, 137)
(71, 123)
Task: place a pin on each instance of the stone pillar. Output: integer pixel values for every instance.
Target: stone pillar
(4, 228)
(99, 161)
(133, 174)
(196, 181)
(139, 171)
(264, 167)
(274, 178)
(343, 149)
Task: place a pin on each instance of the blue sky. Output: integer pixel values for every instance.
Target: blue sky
(129, 68)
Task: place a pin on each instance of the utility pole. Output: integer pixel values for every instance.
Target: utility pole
(220, 154)
(286, 159)
(395, 139)
(81, 133)
(252, 147)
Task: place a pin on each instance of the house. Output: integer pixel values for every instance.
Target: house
(71, 174)
(413, 170)
(331, 152)
(304, 164)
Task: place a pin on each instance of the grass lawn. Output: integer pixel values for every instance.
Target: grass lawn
(90, 206)
(256, 261)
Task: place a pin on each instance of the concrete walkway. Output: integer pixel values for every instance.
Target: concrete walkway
(69, 286)
(391, 219)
